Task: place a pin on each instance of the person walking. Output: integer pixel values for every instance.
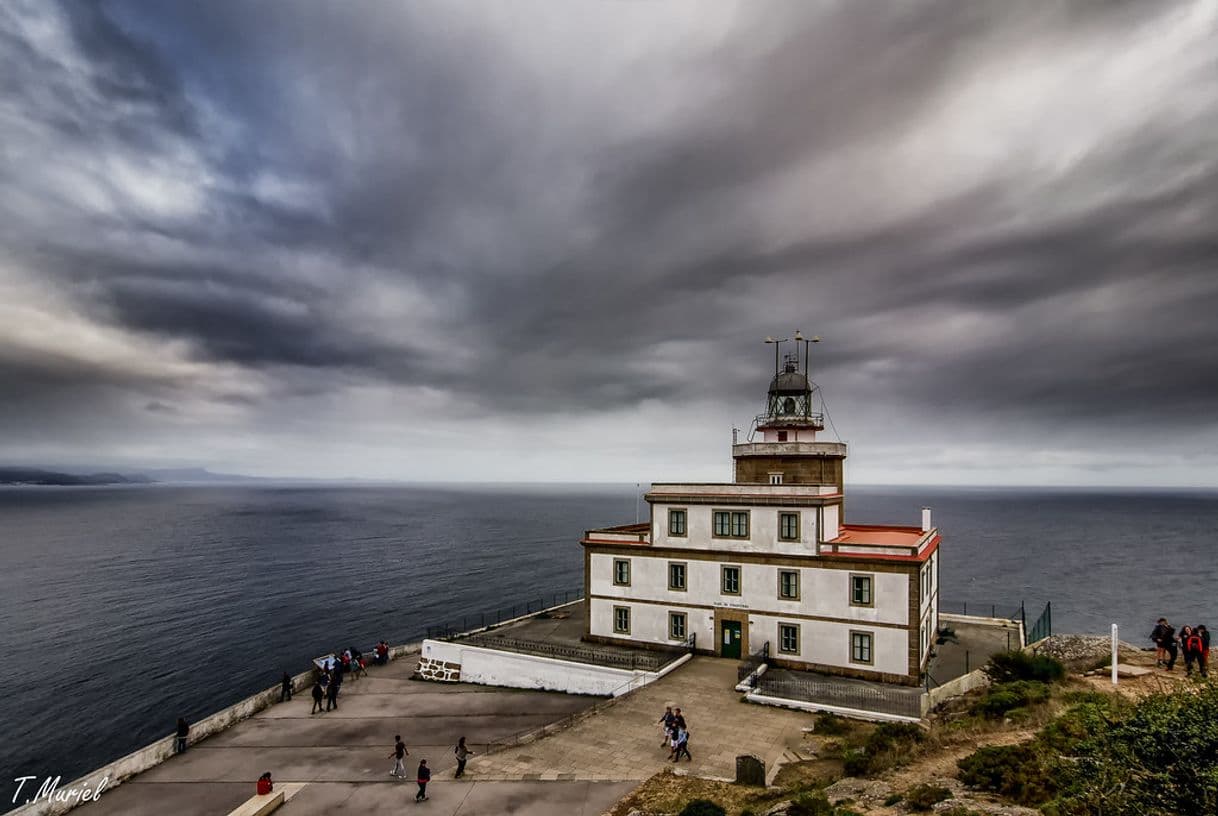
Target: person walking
(285, 688)
(1190, 644)
(423, 778)
(682, 745)
(399, 754)
(1169, 642)
(182, 733)
(463, 753)
(332, 693)
(317, 696)
(666, 722)
(1160, 637)
(1203, 660)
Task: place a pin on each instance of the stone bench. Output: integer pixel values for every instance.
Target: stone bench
(259, 804)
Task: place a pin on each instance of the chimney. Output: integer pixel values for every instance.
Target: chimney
(925, 519)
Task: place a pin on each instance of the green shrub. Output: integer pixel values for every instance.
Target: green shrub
(832, 725)
(892, 799)
(924, 797)
(813, 803)
(1017, 772)
(703, 807)
(888, 745)
(856, 762)
(1007, 667)
(894, 735)
(1003, 697)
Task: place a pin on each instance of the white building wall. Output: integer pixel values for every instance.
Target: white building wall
(829, 643)
(763, 529)
(649, 622)
(832, 522)
(824, 592)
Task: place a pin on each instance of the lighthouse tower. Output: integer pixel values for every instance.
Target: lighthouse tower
(782, 447)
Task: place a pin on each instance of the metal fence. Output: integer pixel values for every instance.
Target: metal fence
(1043, 627)
(753, 662)
(984, 610)
(481, 620)
(898, 701)
(641, 660)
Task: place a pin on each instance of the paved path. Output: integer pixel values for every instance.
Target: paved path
(622, 742)
(342, 755)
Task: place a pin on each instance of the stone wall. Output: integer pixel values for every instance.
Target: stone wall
(438, 671)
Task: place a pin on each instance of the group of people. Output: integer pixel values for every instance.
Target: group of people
(676, 734)
(1193, 642)
(423, 774)
(330, 679)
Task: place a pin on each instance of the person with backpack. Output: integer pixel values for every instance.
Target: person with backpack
(1190, 644)
(1203, 660)
(1160, 635)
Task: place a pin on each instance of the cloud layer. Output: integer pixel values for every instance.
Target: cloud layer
(540, 240)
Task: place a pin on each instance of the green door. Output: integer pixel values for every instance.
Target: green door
(729, 641)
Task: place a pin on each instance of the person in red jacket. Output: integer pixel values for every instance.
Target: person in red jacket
(265, 785)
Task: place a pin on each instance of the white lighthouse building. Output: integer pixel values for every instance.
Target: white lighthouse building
(768, 558)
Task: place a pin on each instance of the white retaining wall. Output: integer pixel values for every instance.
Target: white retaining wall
(492, 667)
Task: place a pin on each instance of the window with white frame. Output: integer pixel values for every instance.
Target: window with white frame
(861, 590)
(621, 572)
(860, 648)
(775, 478)
(621, 620)
(676, 576)
(730, 580)
(676, 625)
(788, 526)
(788, 585)
(788, 638)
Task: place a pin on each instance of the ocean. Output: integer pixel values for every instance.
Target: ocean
(124, 608)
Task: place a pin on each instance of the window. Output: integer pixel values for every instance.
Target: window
(788, 585)
(676, 576)
(676, 625)
(731, 580)
(621, 620)
(775, 478)
(788, 638)
(740, 525)
(860, 591)
(860, 647)
(782, 436)
(788, 526)
(676, 522)
(621, 572)
(731, 524)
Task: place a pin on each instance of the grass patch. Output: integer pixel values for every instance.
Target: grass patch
(925, 797)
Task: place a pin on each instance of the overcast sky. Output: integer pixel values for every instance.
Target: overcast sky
(544, 241)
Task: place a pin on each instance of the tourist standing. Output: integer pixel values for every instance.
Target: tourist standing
(423, 778)
(463, 754)
(682, 745)
(1190, 644)
(332, 693)
(399, 753)
(1161, 634)
(1203, 660)
(1169, 642)
(285, 688)
(317, 695)
(182, 733)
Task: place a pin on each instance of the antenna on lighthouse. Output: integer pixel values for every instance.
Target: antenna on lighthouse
(776, 344)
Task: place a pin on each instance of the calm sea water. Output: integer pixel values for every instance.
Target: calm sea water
(124, 608)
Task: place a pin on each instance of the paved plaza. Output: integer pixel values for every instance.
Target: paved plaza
(341, 757)
(622, 742)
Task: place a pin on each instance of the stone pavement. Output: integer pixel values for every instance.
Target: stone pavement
(622, 742)
(343, 755)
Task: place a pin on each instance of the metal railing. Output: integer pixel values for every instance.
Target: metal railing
(1043, 627)
(482, 620)
(753, 662)
(645, 661)
(984, 610)
(904, 703)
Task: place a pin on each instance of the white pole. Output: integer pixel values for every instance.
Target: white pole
(1114, 654)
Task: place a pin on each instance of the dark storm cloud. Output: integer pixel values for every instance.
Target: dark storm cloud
(460, 199)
